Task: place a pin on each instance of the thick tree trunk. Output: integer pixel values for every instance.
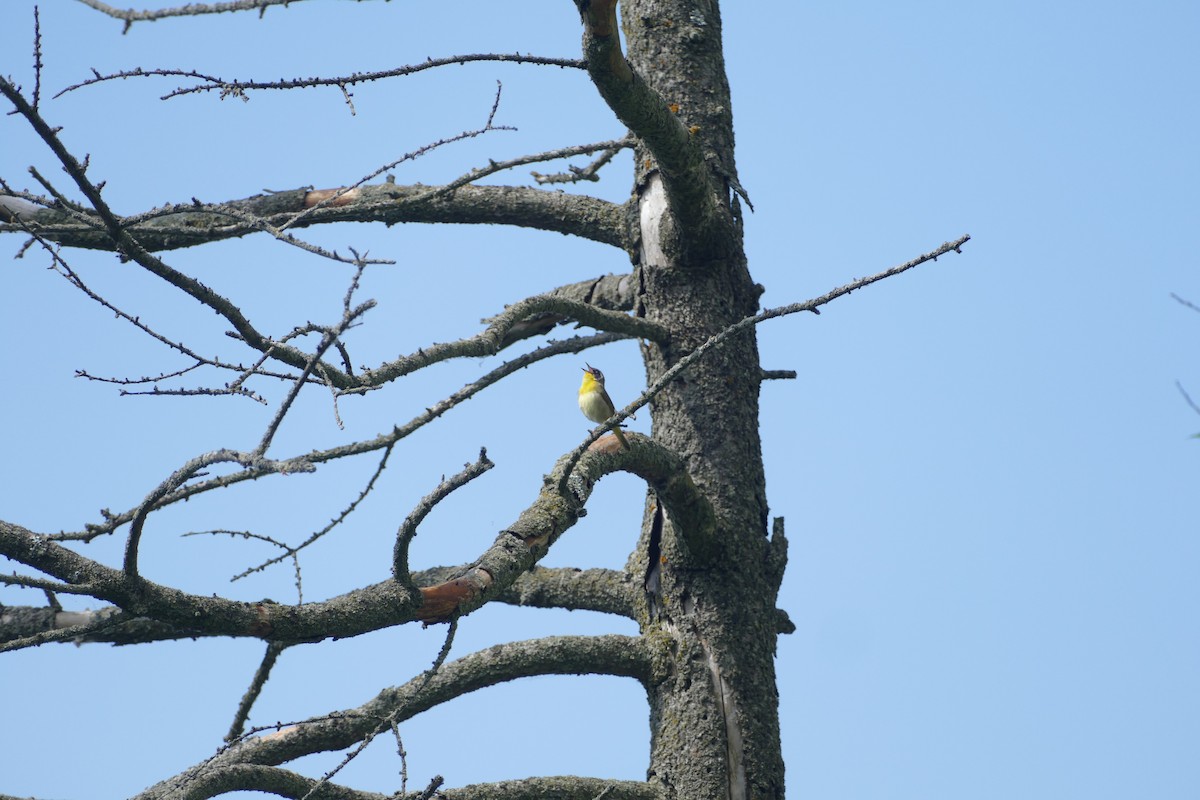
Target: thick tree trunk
(714, 714)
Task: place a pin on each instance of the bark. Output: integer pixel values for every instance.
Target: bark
(714, 719)
(188, 225)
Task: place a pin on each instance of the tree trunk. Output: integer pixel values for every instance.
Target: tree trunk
(714, 713)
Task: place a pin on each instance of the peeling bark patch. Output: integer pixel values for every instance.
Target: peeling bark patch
(734, 747)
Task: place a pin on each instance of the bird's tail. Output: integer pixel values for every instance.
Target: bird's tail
(620, 437)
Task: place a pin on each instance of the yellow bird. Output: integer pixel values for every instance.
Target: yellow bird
(594, 401)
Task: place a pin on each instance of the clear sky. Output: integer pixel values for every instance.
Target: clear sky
(985, 464)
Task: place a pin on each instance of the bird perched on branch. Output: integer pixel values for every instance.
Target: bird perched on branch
(595, 403)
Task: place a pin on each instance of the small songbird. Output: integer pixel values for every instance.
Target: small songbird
(594, 401)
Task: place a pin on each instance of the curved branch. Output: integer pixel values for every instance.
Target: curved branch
(133, 15)
(623, 656)
(408, 528)
(271, 780)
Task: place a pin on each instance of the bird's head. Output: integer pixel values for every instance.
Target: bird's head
(596, 374)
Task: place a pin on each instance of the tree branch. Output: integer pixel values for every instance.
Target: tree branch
(691, 192)
(567, 787)
(408, 528)
(494, 338)
(227, 88)
(191, 9)
(564, 655)
(601, 590)
(189, 224)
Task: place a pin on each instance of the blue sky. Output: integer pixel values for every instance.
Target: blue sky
(984, 464)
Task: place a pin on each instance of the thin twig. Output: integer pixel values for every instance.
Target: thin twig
(235, 88)
(390, 722)
(588, 173)
(1187, 303)
(1187, 397)
(349, 315)
(254, 690)
(131, 16)
(614, 146)
(37, 58)
(293, 552)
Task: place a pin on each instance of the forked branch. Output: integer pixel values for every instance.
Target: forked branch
(691, 191)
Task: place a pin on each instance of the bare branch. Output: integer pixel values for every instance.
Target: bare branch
(492, 339)
(235, 88)
(1187, 397)
(349, 315)
(567, 787)
(293, 552)
(1183, 302)
(88, 627)
(312, 204)
(610, 292)
(566, 655)
(589, 173)
(64, 269)
(216, 780)
(131, 16)
(601, 590)
(274, 649)
(408, 529)
(37, 58)
(190, 224)
(614, 146)
(177, 479)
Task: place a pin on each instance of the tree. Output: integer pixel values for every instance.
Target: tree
(702, 579)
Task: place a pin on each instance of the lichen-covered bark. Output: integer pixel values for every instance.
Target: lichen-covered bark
(715, 717)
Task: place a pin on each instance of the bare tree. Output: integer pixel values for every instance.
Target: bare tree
(701, 581)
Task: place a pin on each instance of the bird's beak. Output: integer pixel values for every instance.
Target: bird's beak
(587, 368)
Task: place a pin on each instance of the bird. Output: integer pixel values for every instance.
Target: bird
(595, 403)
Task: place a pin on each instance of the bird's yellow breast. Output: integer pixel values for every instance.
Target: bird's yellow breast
(593, 400)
